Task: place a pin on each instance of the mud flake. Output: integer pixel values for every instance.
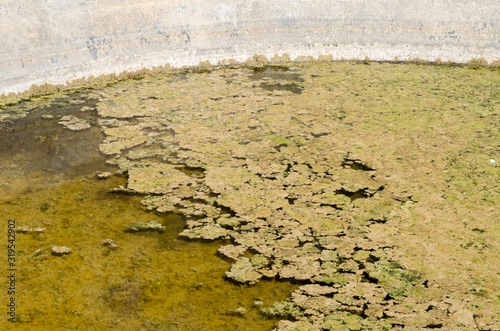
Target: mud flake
(318, 304)
(74, 123)
(243, 271)
(315, 289)
(209, 231)
(122, 138)
(156, 178)
(221, 179)
(304, 268)
(259, 261)
(145, 153)
(232, 251)
(254, 239)
(462, 317)
(230, 222)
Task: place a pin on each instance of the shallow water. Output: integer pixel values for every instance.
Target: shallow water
(152, 280)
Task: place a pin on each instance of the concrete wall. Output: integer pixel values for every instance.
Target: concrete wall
(53, 41)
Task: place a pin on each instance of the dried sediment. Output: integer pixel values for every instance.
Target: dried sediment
(345, 186)
(74, 123)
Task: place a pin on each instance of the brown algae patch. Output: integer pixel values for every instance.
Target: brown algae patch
(371, 185)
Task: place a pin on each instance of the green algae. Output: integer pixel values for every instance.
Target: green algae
(370, 182)
(150, 281)
(143, 280)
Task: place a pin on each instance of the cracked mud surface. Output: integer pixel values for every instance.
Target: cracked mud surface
(372, 186)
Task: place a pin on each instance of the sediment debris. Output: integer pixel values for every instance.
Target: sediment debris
(243, 271)
(104, 175)
(110, 243)
(238, 311)
(153, 225)
(232, 251)
(74, 123)
(26, 228)
(61, 250)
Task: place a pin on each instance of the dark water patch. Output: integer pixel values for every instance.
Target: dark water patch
(404, 199)
(197, 172)
(269, 68)
(294, 88)
(434, 326)
(378, 220)
(38, 142)
(225, 209)
(185, 75)
(359, 194)
(275, 72)
(318, 135)
(75, 104)
(356, 165)
(279, 147)
(336, 207)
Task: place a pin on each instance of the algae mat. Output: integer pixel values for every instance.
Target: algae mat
(366, 193)
(79, 266)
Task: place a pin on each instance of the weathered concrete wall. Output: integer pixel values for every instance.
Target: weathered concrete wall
(53, 41)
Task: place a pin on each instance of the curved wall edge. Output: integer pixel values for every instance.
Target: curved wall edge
(55, 41)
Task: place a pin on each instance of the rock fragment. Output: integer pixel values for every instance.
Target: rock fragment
(104, 175)
(61, 250)
(109, 243)
(146, 226)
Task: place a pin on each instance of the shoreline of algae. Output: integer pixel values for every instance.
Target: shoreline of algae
(91, 82)
(371, 184)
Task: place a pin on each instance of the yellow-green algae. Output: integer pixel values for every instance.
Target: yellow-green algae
(150, 281)
(377, 182)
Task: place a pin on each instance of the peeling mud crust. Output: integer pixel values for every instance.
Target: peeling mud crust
(371, 185)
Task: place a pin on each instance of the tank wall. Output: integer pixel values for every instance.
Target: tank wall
(54, 41)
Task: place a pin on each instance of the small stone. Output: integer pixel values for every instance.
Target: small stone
(61, 250)
(104, 175)
(110, 243)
